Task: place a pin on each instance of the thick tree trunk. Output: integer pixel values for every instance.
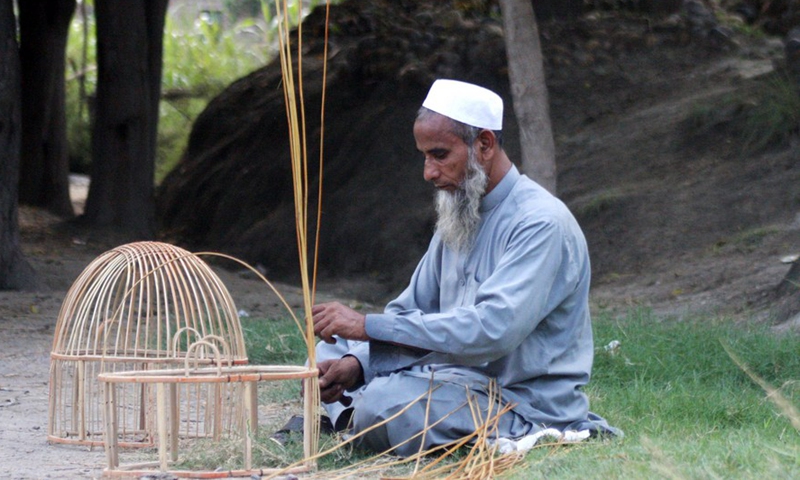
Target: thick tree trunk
(44, 168)
(557, 9)
(529, 92)
(129, 56)
(15, 272)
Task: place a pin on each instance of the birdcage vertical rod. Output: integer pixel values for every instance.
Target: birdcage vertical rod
(161, 419)
(80, 385)
(110, 418)
(174, 420)
(250, 429)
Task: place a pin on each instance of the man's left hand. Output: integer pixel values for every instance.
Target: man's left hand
(336, 376)
(336, 319)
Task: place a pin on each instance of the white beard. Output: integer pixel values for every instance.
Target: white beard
(459, 211)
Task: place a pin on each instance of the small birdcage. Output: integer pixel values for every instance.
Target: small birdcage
(139, 307)
(242, 380)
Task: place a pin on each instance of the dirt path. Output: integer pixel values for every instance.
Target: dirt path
(25, 344)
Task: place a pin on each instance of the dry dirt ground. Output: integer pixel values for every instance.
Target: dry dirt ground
(727, 277)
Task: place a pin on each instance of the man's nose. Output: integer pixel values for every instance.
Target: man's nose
(429, 171)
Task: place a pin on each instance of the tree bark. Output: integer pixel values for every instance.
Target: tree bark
(557, 9)
(129, 56)
(529, 91)
(15, 272)
(44, 168)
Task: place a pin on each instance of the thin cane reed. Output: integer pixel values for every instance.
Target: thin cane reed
(480, 460)
(298, 148)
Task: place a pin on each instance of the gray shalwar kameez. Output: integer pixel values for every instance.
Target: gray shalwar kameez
(513, 308)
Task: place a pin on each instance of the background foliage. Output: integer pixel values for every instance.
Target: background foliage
(204, 52)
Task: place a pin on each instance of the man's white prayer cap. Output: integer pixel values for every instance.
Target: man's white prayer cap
(466, 103)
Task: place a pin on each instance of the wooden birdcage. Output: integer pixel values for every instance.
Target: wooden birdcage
(139, 307)
(242, 380)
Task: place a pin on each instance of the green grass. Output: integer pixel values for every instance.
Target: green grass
(687, 409)
(273, 341)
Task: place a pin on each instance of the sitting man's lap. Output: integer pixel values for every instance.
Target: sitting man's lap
(448, 404)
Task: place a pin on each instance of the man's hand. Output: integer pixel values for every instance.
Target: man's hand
(336, 376)
(335, 319)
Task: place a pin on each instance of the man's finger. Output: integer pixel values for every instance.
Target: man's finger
(324, 366)
(326, 335)
(331, 394)
(324, 381)
(318, 308)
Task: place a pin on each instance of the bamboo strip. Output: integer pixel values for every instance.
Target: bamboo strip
(77, 411)
(212, 375)
(161, 419)
(217, 418)
(139, 470)
(253, 408)
(249, 430)
(111, 426)
(150, 357)
(199, 414)
(269, 284)
(174, 421)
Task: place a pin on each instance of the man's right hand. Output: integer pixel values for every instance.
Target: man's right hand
(336, 376)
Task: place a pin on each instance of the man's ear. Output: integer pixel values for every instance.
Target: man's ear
(486, 141)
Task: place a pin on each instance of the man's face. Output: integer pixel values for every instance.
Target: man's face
(445, 153)
(453, 168)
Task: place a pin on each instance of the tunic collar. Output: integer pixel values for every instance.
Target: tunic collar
(501, 190)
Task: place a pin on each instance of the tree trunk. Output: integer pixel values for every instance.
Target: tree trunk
(557, 9)
(44, 168)
(529, 92)
(15, 272)
(129, 56)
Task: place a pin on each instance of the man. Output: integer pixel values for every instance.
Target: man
(501, 294)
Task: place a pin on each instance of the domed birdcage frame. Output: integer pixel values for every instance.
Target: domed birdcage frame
(139, 307)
